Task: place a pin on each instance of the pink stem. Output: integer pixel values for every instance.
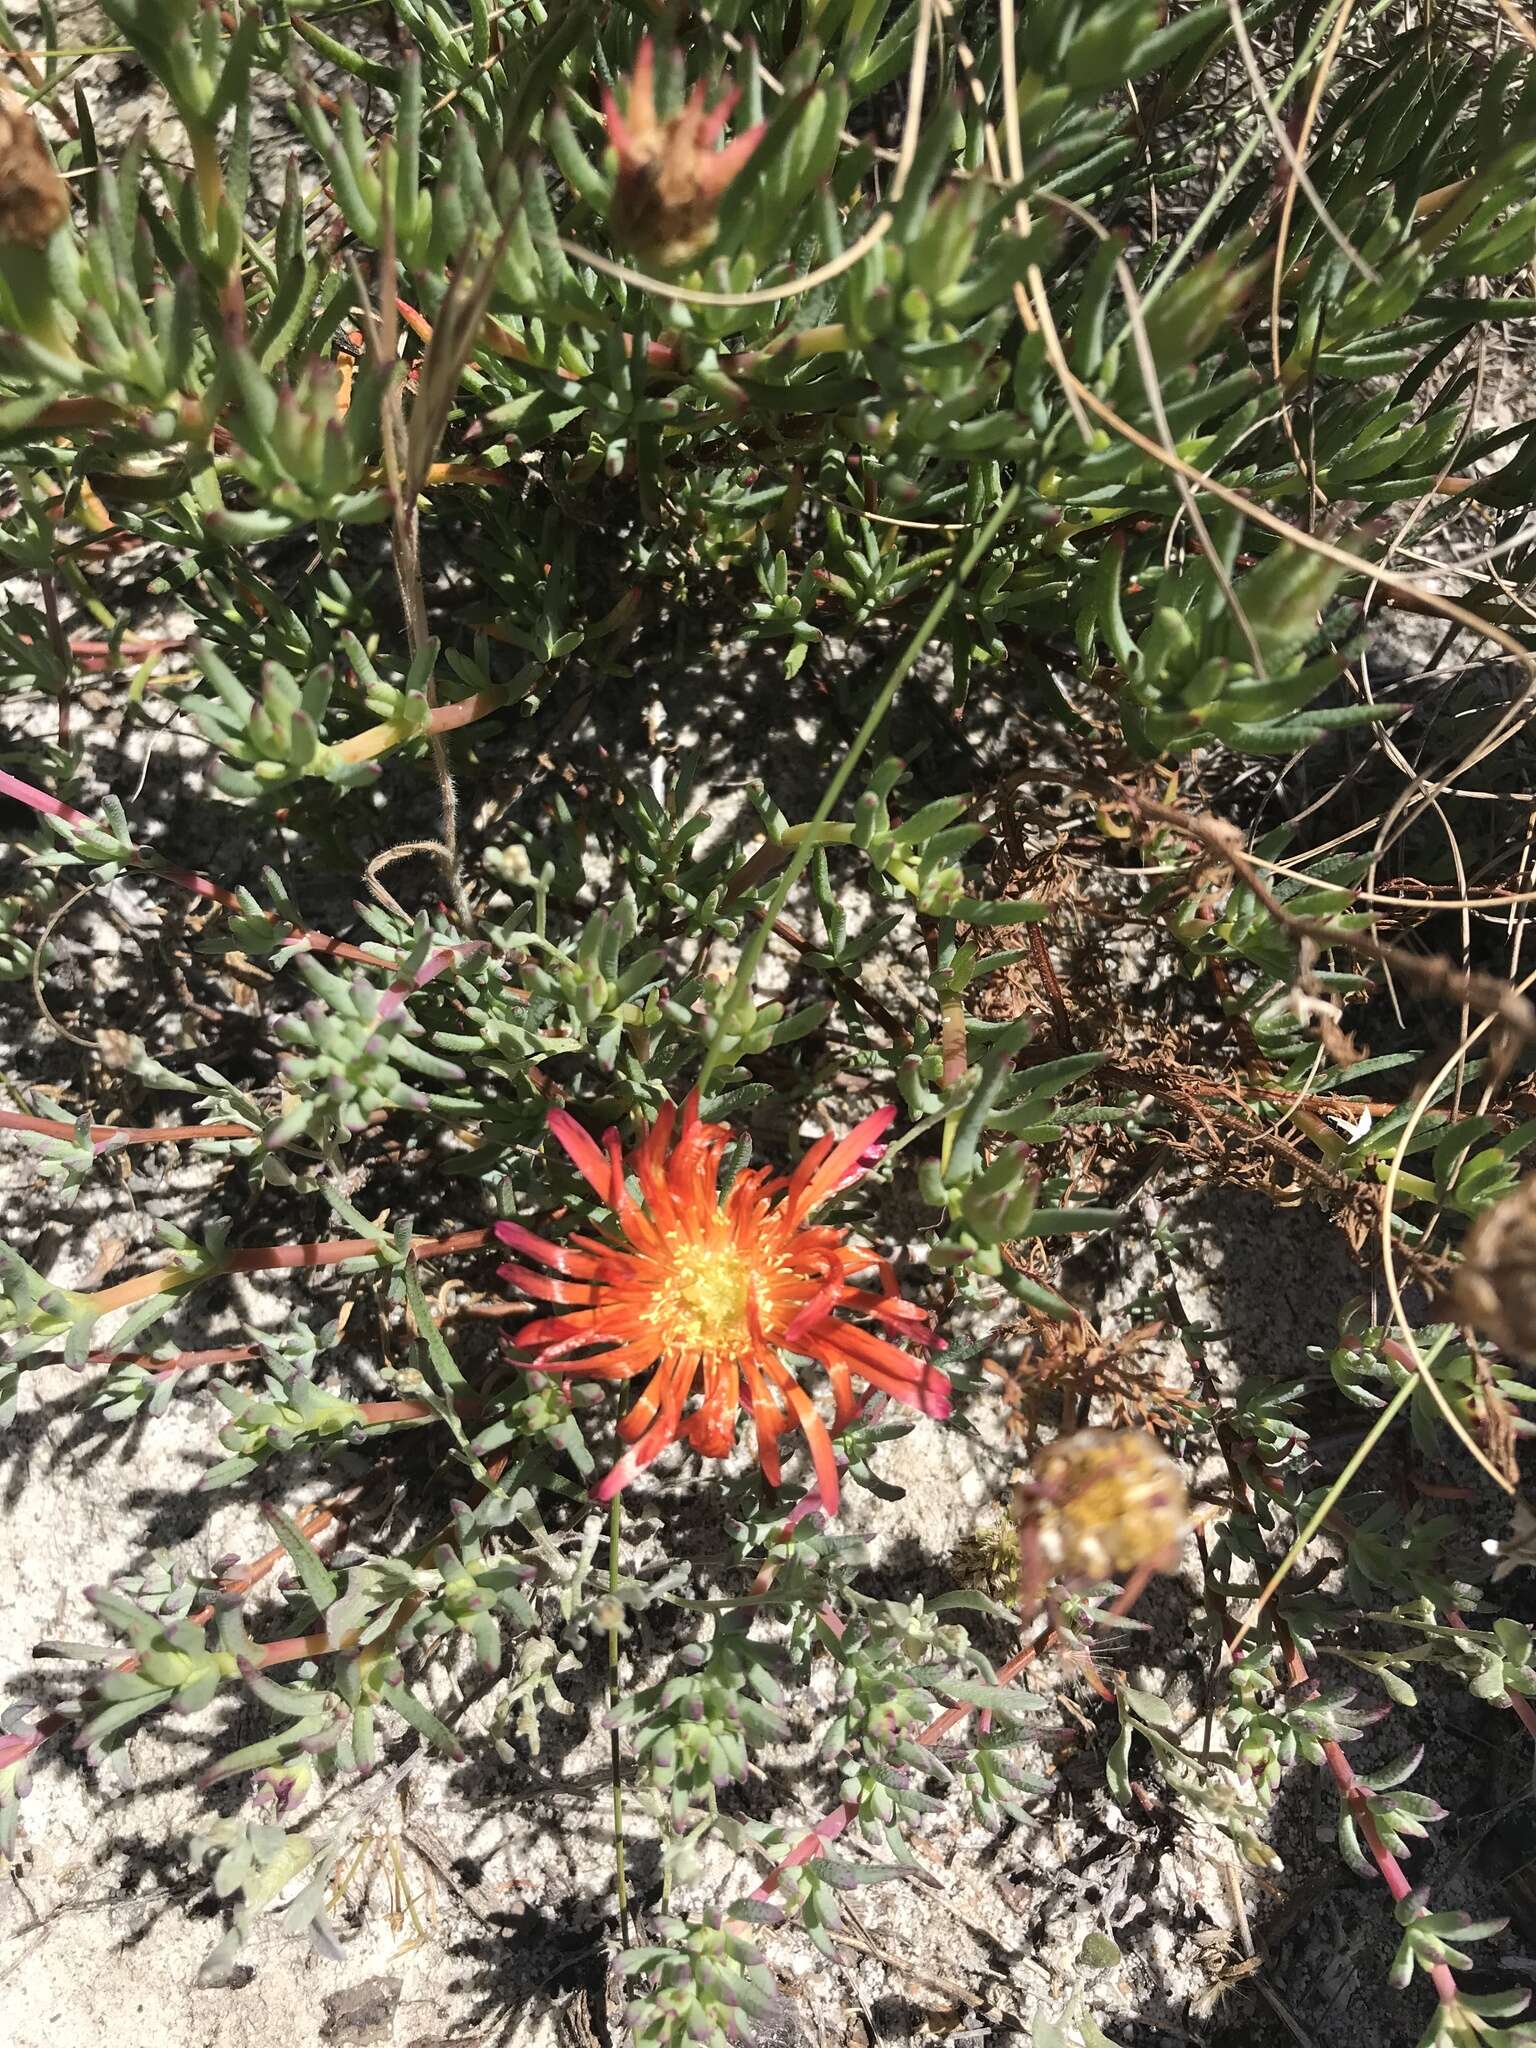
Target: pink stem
(40, 800)
(273, 1258)
(337, 1250)
(16, 1748)
(832, 1824)
(371, 1412)
(1391, 1870)
(184, 1361)
(1353, 1795)
(122, 1134)
(184, 878)
(394, 998)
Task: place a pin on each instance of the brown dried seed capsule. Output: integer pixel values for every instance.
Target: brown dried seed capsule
(33, 198)
(671, 177)
(1494, 1287)
(1104, 1503)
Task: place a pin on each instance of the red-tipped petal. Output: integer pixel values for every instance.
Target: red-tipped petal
(814, 1430)
(848, 1403)
(583, 1327)
(665, 1394)
(820, 1305)
(712, 120)
(578, 1265)
(769, 1419)
(615, 1481)
(581, 1150)
(636, 1458)
(768, 1455)
(711, 1429)
(642, 75)
(913, 1381)
(838, 1167)
(905, 1317)
(618, 130)
(719, 169)
(618, 1195)
(622, 1363)
(567, 1293)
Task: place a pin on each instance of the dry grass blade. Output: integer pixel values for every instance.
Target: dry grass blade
(1285, 529)
(1288, 149)
(1287, 208)
(1436, 976)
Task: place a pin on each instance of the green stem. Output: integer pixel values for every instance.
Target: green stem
(1331, 1498)
(752, 952)
(620, 1878)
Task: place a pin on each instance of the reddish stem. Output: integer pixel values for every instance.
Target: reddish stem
(1353, 1795)
(311, 1522)
(123, 1134)
(1391, 1870)
(337, 1250)
(372, 1412)
(832, 1824)
(266, 1258)
(184, 878)
(184, 1361)
(393, 999)
(1518, 1704)
(1343, 1528)
(390, 1005)
(382, 738)
(294, 1649)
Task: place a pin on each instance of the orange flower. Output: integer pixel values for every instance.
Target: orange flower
(671, 176)
(704, 1292)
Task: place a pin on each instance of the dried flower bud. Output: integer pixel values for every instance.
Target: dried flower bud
(1103, 1504)
(1495, 1285)
(33, 198)
(607, 1613)
(671, 176)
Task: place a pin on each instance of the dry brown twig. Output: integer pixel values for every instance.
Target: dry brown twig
(1494, 998)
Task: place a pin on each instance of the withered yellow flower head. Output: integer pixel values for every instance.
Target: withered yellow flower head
(1104, 1503)
(1495, 1285)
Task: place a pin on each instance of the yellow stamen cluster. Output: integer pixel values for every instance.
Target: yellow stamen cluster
(701, 1305)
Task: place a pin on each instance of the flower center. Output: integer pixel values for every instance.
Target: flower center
(702, 1306)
